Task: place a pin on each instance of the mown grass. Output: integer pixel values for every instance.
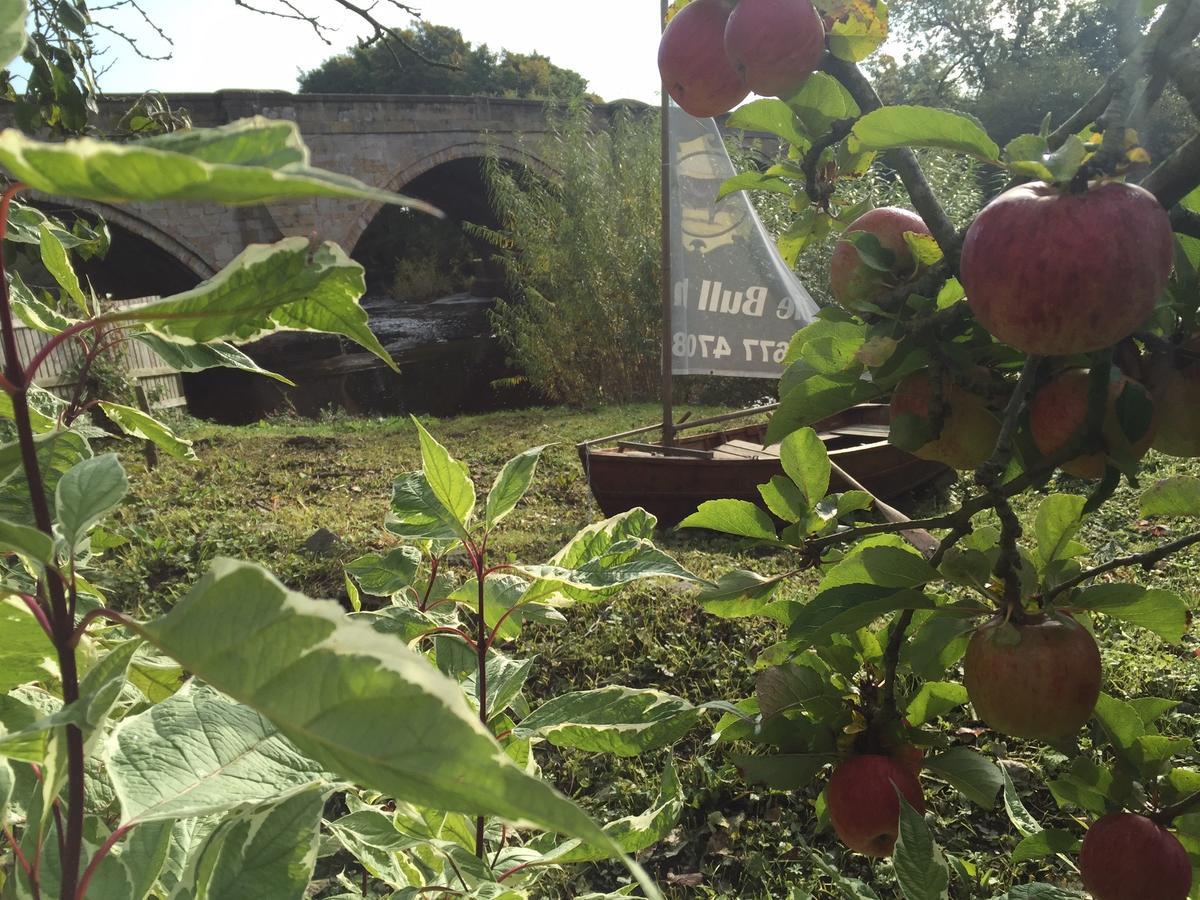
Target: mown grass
(260, 492)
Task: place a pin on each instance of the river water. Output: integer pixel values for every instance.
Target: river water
(446, 350)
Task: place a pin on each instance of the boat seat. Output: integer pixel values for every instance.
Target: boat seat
(739, 449)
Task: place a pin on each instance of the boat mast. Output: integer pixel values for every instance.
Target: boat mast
(668, 423)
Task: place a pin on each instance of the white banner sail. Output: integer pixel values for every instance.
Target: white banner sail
(735, 302)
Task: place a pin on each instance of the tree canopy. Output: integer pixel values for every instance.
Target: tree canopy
(1009, 62)
(476, 69)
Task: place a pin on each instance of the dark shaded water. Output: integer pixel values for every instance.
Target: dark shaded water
(446, 351)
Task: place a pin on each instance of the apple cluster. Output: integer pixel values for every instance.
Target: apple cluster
(1053, 271)
(715, 52)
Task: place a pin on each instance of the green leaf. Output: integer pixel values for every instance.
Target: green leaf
(770, 115)
(784, 499)
(753, 181)
(1064, 162)
(820, 102)
(131, 868)
(138, 424)
(1058, 520)
(1039, 891)
(1045, 843)
(7, 782)
(920, 866)
(185, 357)
(857, 27)
(739, 593)
(817, 398)
(782, 771)
(254, 160)
(505, 678)
(448, 479)
(632, 833)
(289, 285)
(29, 542)
(266, 852)
(382, 575)
(922, 126)
(1161, 611)
(621, 563)
(847, 608)
(938, 643)
(935, 698)
(356, 701)
(511, 484)
(737, 517)
(974, 775)
(828, 347)
(415, 512)
(1018, 814)
(806, 462)
(197, 754)
(54, 258)
(1177, 496)
(57, 452)
(372, 838)
(952, 291)
(87, 492)
(1120, 722)
(618, 720)
(12, 30)
(882, 566)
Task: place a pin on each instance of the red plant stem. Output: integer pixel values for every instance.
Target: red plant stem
(103, 613)
(500, 568)
(20, 856)
(61, 619)
(481, 649)
(515, 869)
(447, 629)
(38, 613)
(433, 570)
(30, 371)
(98, 858)
(495, 631)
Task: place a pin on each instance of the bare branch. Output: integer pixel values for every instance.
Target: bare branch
(1177, 175)
(380, 33)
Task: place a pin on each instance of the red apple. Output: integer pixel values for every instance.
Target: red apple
(1175, 384)
(774, 44)
(910, 756)
(692, 61)
(1059, 409)
(969, 430)
(1128, 856)
(854, 283)
(1039, 679)
(1054, 273)
(863, 805)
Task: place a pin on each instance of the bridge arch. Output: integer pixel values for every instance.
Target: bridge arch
(143, 259)
(515, 152)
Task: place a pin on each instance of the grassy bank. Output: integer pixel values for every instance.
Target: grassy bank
(261, 492)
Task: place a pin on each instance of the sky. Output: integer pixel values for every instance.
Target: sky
(217, 45)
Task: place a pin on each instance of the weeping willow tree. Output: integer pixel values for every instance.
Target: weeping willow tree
(581, 256)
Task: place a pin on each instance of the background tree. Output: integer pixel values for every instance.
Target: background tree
(460, 68)
(1010, 62)
(582, 259)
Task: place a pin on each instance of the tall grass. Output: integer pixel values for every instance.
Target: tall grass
(581, 256)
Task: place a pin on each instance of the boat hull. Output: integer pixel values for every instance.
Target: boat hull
(673, 486)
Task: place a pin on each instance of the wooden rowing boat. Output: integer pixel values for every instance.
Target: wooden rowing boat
(671, 482)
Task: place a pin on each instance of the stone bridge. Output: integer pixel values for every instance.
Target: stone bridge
(386, 141)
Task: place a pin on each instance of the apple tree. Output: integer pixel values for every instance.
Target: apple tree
(1056, 332)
